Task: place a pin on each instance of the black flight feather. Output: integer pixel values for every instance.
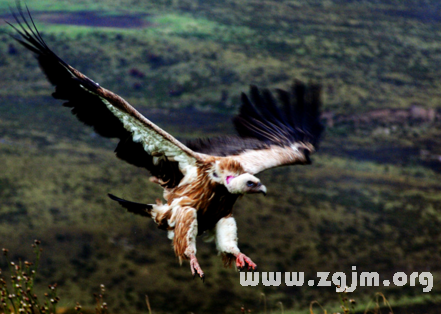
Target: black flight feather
(301, 120)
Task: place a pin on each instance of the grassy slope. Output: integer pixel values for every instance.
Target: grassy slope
(353, 50)
(337, 213)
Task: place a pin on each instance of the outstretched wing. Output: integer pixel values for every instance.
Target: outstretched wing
(270, 136)
(142, 143)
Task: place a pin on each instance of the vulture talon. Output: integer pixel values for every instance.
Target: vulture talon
(195, 268)
(243, 262)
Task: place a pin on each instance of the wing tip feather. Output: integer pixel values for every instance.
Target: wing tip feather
(300, 121)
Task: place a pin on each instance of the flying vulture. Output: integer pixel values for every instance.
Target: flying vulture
(203, 178)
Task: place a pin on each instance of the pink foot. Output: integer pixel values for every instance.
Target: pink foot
(195, 268)
(243, 261)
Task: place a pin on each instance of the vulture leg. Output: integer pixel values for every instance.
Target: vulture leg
(184, 239)
(226, 243)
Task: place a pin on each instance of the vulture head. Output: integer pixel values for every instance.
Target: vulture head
(244, 184)
(231, 174)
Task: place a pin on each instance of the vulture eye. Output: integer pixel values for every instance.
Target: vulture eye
(251, 184)
(215, 175)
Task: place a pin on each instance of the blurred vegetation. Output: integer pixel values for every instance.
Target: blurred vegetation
(18, 295)
(370, 199)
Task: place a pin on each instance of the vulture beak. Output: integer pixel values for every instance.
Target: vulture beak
(262, 189)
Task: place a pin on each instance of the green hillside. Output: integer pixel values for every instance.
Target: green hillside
(371, 198)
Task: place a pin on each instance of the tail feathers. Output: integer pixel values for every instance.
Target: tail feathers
(135, 208)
